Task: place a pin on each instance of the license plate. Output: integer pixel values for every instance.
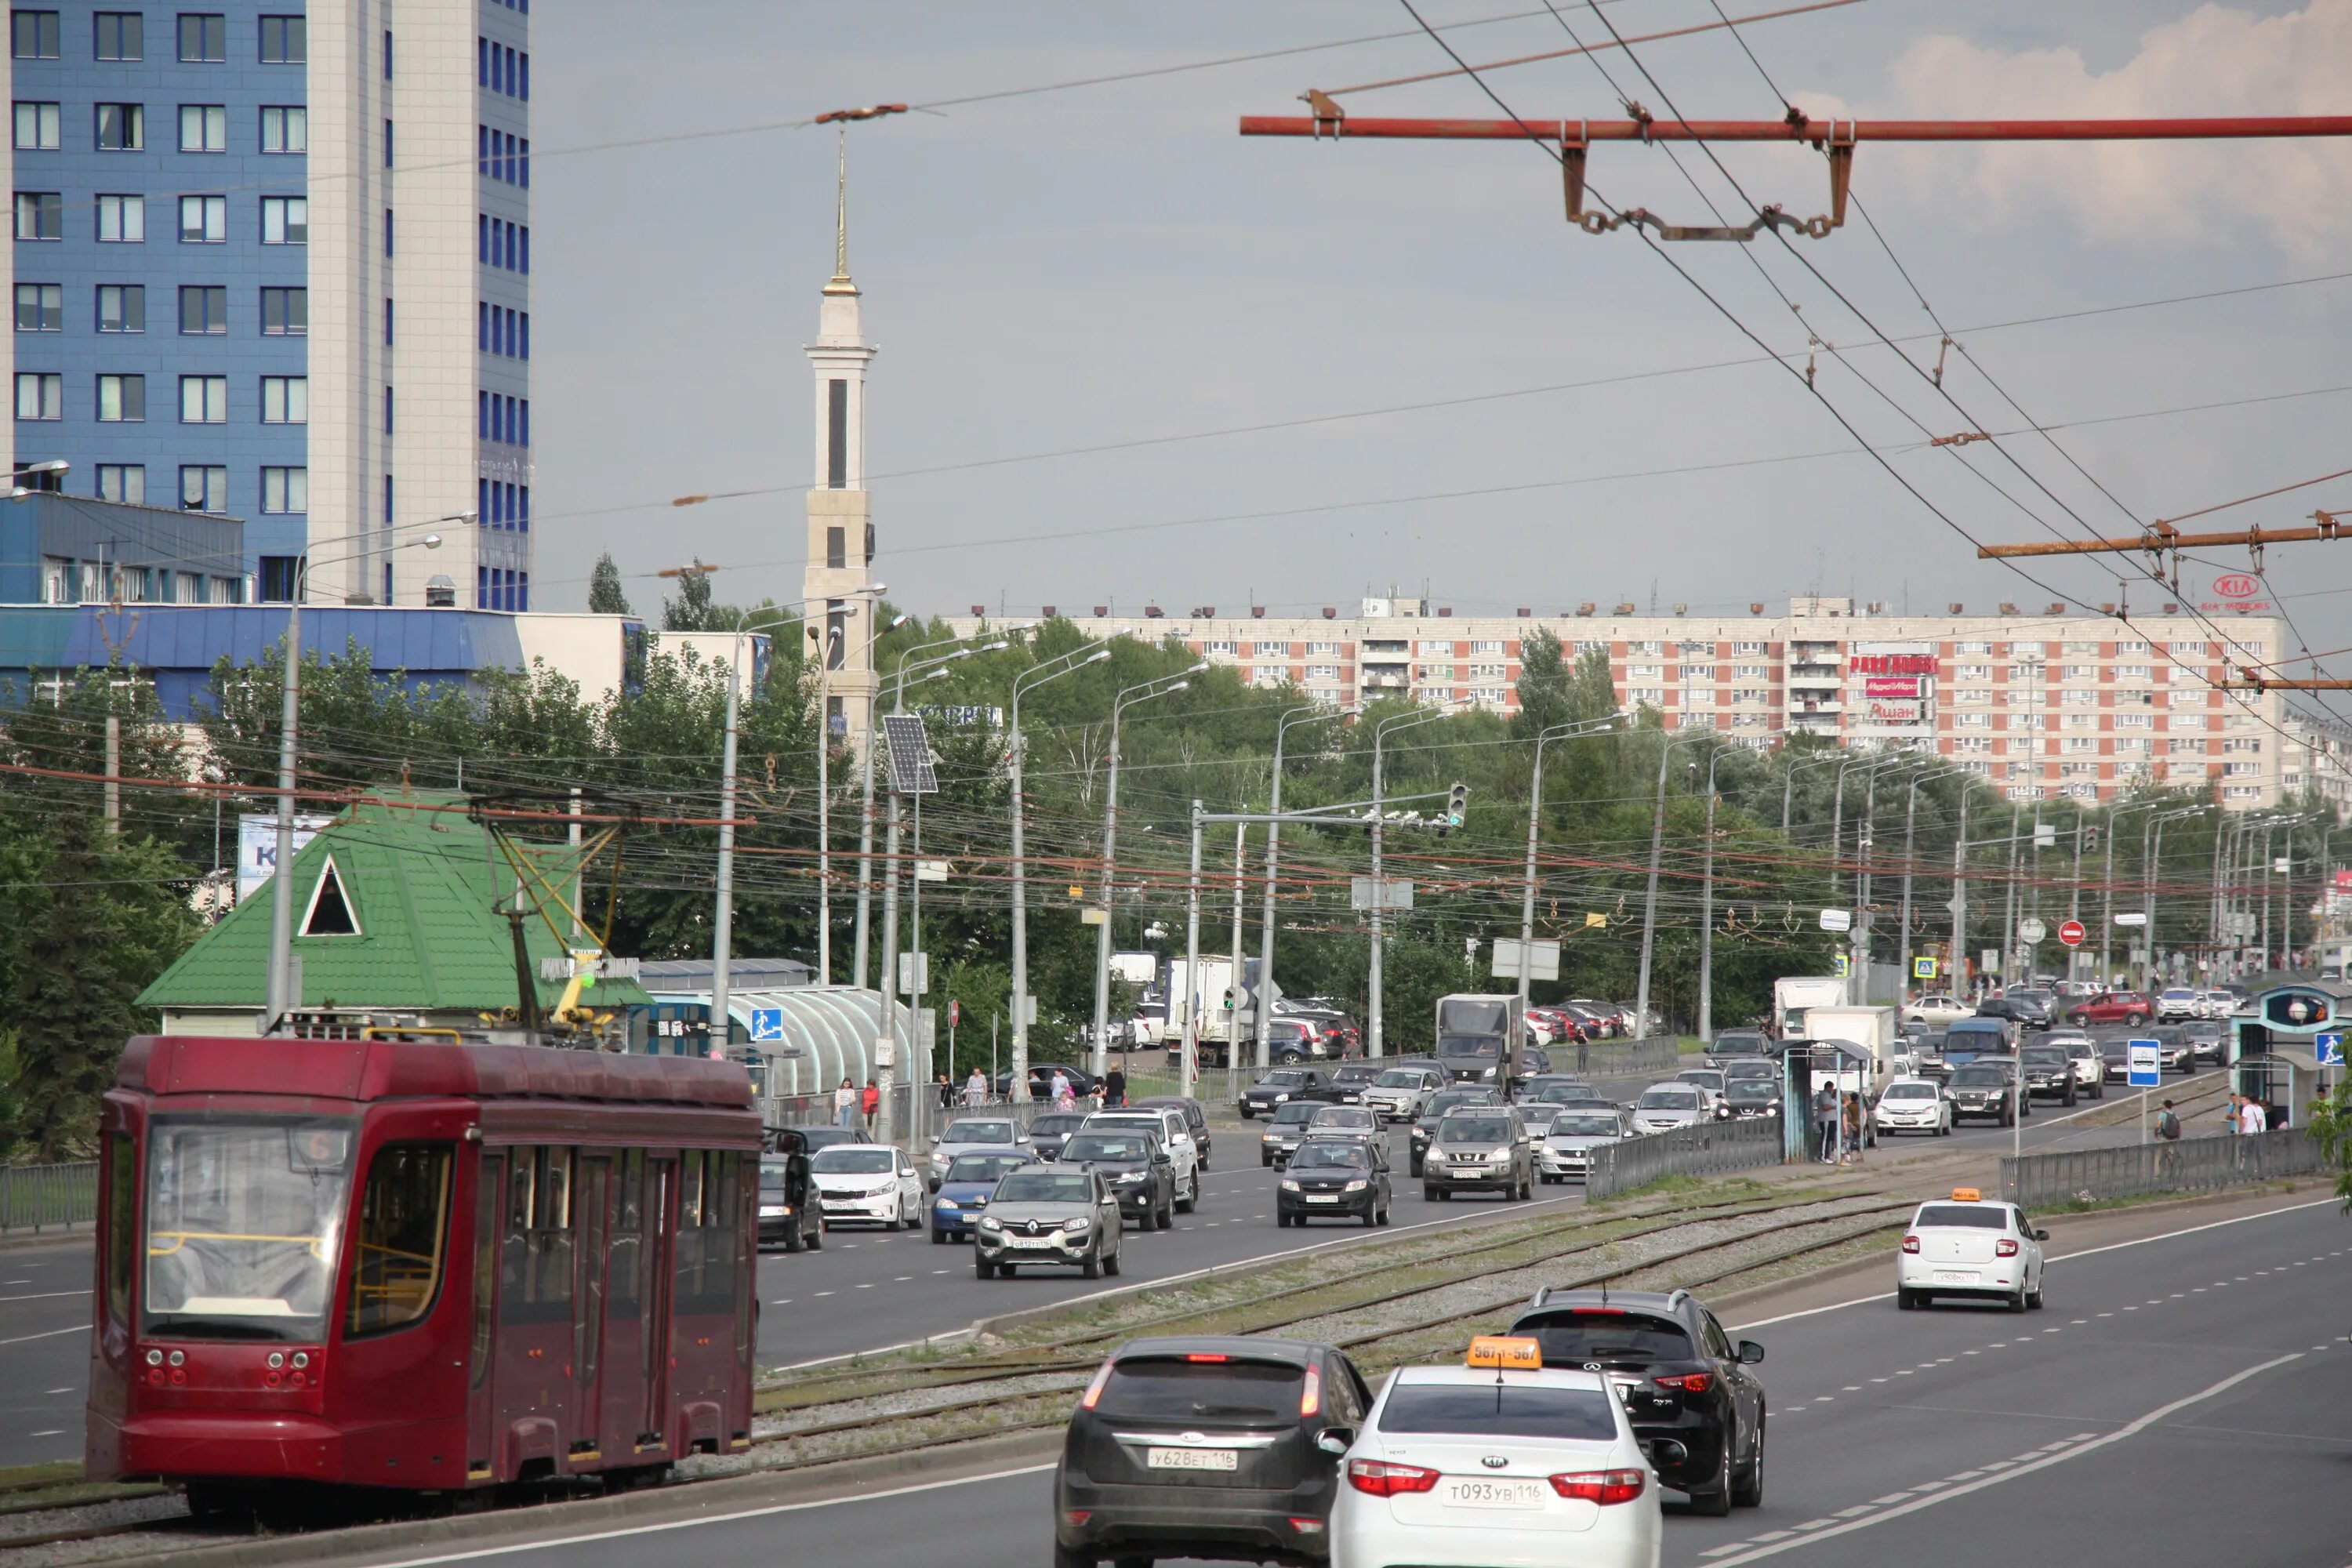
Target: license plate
(1029, 1241)
(1192, 1458)
(1480, 1493)
(1321, 1198)
(1956, 1276)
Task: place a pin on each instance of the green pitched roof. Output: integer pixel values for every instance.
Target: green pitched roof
(422, 885)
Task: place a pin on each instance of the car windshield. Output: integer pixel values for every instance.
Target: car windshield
(1910, 1091)
(1344, 1116)
(1356, 1072)
(1706, 1076)
(1975, 1076)
(1609, 1334)
(1280, 1079)
(1163, 1388)
(1132, 1147)
(815, 1138)
(1509, 1410)
(1056, 1126)
(1467, 1045)
(1474, 1129)
(1749, 1089)
(1297, 1113)
(2042, 1056)
(1447, 1101)
(1733, 1072)
(1044, 1188)
(2178, 994)
(1570, 1094)
(1739, 1044)
(978, 1133)
(1335, 1152)
(244, 1225)
(984, 1167)
(1967, 1216)
(774, 1175)
(851, 1159)
(1583, 1124)
(1397, 1078)
(1667, 1100)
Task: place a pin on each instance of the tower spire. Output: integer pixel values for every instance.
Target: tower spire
(840, 283)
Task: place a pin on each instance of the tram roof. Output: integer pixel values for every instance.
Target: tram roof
(390, 1069)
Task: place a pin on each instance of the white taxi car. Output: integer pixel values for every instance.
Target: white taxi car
(1969, 1247)
(1499, 1462)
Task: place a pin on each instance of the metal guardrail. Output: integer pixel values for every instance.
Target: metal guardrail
(47, 1197)
(1703, 1150)
(1659, 1056)
(2181, 1166)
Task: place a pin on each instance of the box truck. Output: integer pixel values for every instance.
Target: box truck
(1793, 995)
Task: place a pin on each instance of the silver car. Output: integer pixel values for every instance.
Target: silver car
(1666, 1106)
(1400, 1094)
(1061, 1215)
(1566, 1153)
(969, 1135)
(1481, 1148)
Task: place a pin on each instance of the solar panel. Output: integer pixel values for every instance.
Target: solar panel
(911, 754)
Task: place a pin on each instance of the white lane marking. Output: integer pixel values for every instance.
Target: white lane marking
(40, 1295)
(53, 1432)
(2075, 1451)
(60, 1390)
(2086, 1252)
(825, 1292)
(50, 1334)
(768, 1513)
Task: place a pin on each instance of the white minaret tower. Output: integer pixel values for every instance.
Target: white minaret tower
(840, 517)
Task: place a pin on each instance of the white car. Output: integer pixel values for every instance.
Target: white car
(1936, 1010)
(1175, 1134)
(1666, 1106)
(1402, 1094)
(2090, 1072)
(1566, 1153)
(1480, 1464)
(2215, 1003)
(1913, 1105)
(969, 1135)
(2176, 1002)
(867, 1183)
(1966, 1246)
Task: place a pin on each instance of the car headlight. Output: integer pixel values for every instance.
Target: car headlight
(1279, 1099)
(1077, 1227)
(1269, 1137)
(989, 1223)
(1356, 1186)
(1127, 1179)
(947, 1204)
(882, 1189)
(1498, 1157)
(1288, 1185)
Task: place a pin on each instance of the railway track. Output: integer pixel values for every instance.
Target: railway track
(1001, 1393)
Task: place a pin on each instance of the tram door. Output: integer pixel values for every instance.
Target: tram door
(489, 1200)
(627, 1376)
(661, 1226)
(537, 1273)
(588, 1327)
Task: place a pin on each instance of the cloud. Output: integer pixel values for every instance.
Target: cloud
(2217, 60)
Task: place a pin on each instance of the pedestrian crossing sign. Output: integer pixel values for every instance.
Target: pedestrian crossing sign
(1840, 966)
(1922, 969)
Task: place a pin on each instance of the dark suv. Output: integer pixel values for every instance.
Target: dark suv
(1695, 1408)
(1282, 1085)
(1424, 1126)
(1207, 1447)
(2048, 1071)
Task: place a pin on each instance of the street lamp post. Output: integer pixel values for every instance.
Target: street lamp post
(1263, 1021)
(282, 999)
(1707, 912)
(2107, 893)
(1375, 1037)
(1650, 899)
(1142, 692)
(1017, 1087)
(1535, 818)
(2149, 858)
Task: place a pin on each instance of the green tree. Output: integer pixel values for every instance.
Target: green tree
(690, 611)
(605, 595)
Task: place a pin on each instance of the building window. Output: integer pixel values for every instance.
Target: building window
(387, 321)
(387, 143)
(40, 307)
(204, 400)
(285, 490)
(121, 220)
(836, 435)
(387, 430)
(204, 309)
(121, 36)
(37, 128)
(285, 312)
(284, 128)
(387, 231)
(35, 33)
(203, 220)
(284, 220)
(284, 42)
(206, 489)
(122, 399)
(40, 395)
(123, 127)
(121, 308)
(124, 483)
(40, 214)
(285, 400)
(204, 39)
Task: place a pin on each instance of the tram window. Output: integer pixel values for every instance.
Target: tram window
(403, 1231)
(689, 1190)
(628, 1236)
(485, 1264)
(706, 1243)
(121, 1221)
(552, 1239)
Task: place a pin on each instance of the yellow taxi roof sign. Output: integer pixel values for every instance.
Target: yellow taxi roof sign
(1966, 1195)
(1505, 1353)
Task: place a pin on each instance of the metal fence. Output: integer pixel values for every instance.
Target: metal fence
(47, 1197)
(1657, 1056)
(2182, 1166)
(1703, 1150)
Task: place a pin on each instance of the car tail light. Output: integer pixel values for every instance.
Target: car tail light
(1600, 1311)
(1911, 1243)
(1688, 1382)
(1311, 1394)
(1075, 1517)
(2004, 1250)
(1378, 1478)
(1603, 1487)
(1093, 1389)
(1200, 1358)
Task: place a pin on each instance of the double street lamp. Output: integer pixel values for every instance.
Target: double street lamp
(1535, 818)
(1142, 692)
(1029, 679)
(1264, 1021)
(1381, 732)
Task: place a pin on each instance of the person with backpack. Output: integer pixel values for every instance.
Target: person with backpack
(2167, 1133)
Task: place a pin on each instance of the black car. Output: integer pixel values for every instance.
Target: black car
(2175, 1052)
(1212, 1446)
(1134, 1165)
(1424, 1126)
(1988, 1088)
(2205, 1038)
(1731, 1045)
(1196, 1118)
(786, 1215)
(1282, 1085)
(1352, 1079)
(2049, 1071)
(1749, 1098)
(1048, 1133)
(813, 1139)
(1334, 1176)
(1694, 1404)
(2025, 1012)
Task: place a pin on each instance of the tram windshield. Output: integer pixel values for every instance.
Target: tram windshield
(245, 1221)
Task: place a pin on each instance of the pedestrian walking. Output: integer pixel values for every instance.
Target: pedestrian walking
(845, 1105)
(1115, 1086)
(2254, 1120)
(946, 1092)
(869, 1101)
(2167, 1133)
(1825, 1123)
(1062, 1098)
(975, 1090)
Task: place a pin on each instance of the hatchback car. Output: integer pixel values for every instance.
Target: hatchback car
(1047, 1133)
(1480, 1149)
(1749, 1098)
(1134, 1164)
(1967, 1247)
(1424, 1127)
(1399, 1094)
(966, 1133)
(1048, 1214)
(787, 1213)
(964, 1191)
(1913, 1105)
(867, 1183)
(1566, 1153)
(1335, 1177)
(1276, 1144)
(1696, 1408)
(1666, 1106)
(1207, 1447)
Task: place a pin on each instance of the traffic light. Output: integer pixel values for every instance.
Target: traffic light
(1458, 804)
(1229, 999)
(2090, 838)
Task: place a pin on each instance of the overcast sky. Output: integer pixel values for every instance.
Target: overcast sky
(1115, 263)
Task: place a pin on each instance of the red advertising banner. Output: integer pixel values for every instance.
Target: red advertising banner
(1891, 664)
(1891, 686)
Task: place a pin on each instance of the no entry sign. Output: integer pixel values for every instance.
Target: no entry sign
(2071, 934)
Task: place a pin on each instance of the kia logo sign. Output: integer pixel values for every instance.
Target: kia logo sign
(2236, 586)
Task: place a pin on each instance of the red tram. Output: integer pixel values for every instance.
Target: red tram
(423, 1266)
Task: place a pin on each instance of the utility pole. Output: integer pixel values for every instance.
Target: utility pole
(1910, 819)
(1234, 1020)
(113, 768)
(1029, 679)
(1957, 979)
(1376, 1039)
(1707, 914)
(1266, 922)
(1188, 1043)
(1650, 899)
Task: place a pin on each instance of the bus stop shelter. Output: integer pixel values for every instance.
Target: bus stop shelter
(2274, 1054)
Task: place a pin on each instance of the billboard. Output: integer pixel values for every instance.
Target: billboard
(1891, 689)
(257, 847)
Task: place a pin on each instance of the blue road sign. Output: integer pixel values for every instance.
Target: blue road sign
(2146, 1067)
(767, 1023)
(2330, 1048)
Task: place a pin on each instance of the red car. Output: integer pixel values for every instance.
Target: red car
(2113, 1007)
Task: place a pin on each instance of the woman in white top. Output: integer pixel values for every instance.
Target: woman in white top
(844, 1104)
